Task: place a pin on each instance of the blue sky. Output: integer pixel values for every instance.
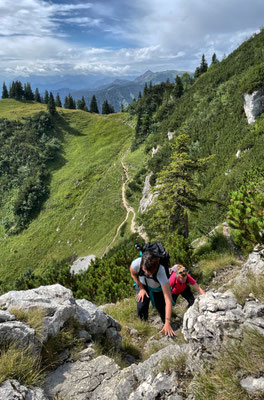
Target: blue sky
(118, 38)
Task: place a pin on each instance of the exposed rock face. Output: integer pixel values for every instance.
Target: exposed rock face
(102, 379)
(82, 264)
(12, 389)
(59, 305)
(147, 196)
(56, 301)
(254, 105)
(15, 331)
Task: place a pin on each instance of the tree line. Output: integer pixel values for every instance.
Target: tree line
(19, 92)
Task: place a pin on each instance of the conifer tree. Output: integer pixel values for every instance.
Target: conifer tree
(28, 94)
(16, 90)
(81, 105)
(66, 102)
(139, 95)
(122, 108)
(51, 105)
(178, 89)
(203, 65)
(93, 105)
(72, 104)
(58, 101)
(177, 190)
(4, 92)
(46, 97)
(105, 107)
(37, 96)
(214, 59)
(145, 91)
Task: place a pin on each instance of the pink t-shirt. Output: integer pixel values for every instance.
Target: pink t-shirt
(179, 286)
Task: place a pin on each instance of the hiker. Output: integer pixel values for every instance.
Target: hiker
(180, 281)
(152, 285)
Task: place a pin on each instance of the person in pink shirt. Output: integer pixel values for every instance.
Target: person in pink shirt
(180, 281)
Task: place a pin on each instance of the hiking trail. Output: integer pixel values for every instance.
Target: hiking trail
(133, 227)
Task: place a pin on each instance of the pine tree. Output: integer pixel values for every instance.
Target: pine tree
(178, 89)
(4, 92)
(203, 65)
(51, 105)
(177, 190)
(66, 102)
(93, 105)
(145, 91)
(139, 95)
(28, 94)
(46, 97)
(105, 107)
(58, 101)
(81, 105)
(197, 73)
(214, 59)
(37, 96)
(72, 104)
(16, 90)
(122, 108)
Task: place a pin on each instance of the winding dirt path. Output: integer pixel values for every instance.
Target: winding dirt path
(133, 227)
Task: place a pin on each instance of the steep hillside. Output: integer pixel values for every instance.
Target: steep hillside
(84, 207)
(211, 112)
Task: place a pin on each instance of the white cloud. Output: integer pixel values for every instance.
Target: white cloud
(162, 34)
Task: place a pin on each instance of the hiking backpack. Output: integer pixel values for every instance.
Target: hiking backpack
(158, 250)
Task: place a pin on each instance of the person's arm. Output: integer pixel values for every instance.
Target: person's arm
(167, 329)
(198, 289)
(142, 292)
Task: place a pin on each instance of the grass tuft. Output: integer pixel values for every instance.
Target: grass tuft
(254, 284)
(33, 317)
(20, 364)
(222, 382)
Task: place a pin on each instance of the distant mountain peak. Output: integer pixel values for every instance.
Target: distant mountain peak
(144, 76)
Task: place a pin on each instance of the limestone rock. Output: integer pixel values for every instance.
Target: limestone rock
(56, 301)
(147, 196)
(212, 319)
(252, 384)
(6, 316)
(82, 264)
(15, 331)
(11, 389)
(80, 379)
(254, 105)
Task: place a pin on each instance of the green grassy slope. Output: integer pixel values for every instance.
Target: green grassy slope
(212, 113)
(84, 208)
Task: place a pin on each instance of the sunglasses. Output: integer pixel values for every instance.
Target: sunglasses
(183, 271)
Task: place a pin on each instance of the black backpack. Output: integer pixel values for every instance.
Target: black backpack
(158, 250)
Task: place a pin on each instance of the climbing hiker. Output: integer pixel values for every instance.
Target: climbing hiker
(152, 285)
(180, 281)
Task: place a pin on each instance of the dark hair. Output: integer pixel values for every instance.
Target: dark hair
(149, 261)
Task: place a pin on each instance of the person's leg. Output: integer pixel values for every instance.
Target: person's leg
(142, 306)
(187, 294)
(160, 304)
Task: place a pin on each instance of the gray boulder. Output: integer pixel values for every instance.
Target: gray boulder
(15, 331)
(96, 321)
(82, 264)
(253, 385)
(11, 390)
(80, 379)
(213, 319)
(56, 301)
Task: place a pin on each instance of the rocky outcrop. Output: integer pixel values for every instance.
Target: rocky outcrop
(82, 264)
(254, 105)
(11, 390)
(147, 195)
(102, 379)
(58, 305)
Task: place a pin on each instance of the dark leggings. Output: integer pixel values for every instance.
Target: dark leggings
(187, 294)
(143, 306)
